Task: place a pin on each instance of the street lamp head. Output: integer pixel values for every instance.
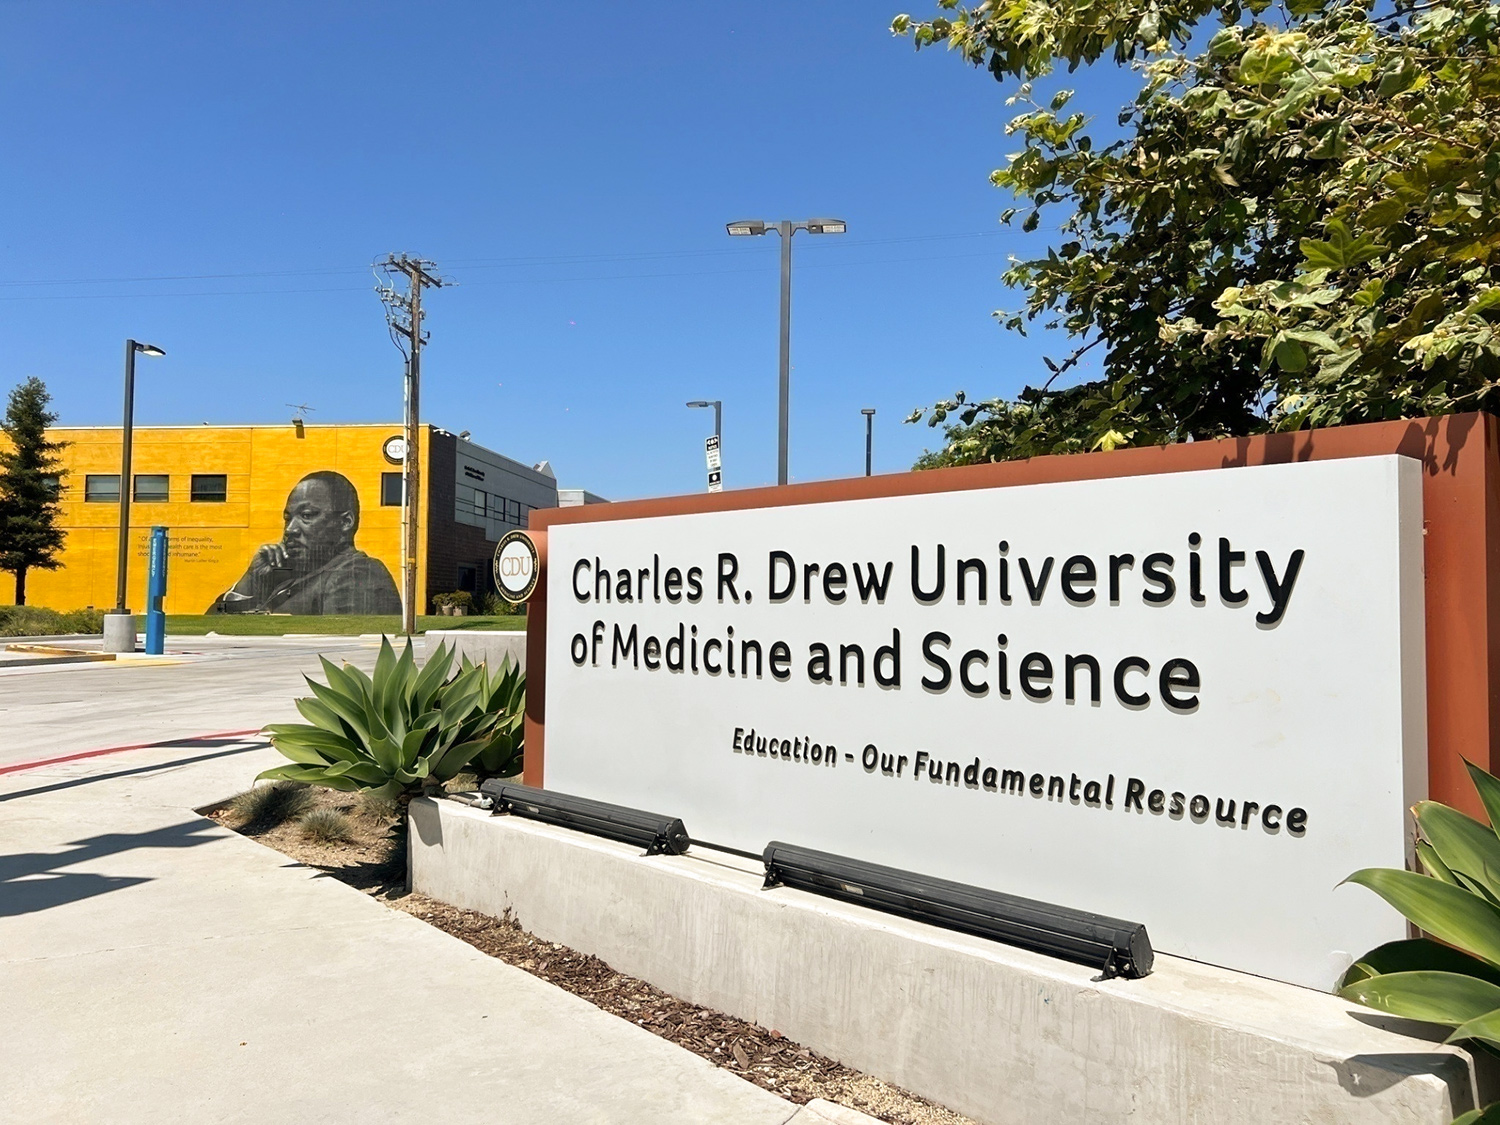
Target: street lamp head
(700, 402)
(150, 349)
(746, 226)
(826, 226)
(868, 411)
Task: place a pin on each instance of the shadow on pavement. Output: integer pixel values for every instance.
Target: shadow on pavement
(240, 746)
(32, 881)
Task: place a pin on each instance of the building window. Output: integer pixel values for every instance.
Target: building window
(101, 488)
(151, 487)
(514, 514)
(53, 484)
(467, 577)
(390, 490)
(207, 488)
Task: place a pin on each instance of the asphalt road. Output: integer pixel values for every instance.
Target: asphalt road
(219, 684)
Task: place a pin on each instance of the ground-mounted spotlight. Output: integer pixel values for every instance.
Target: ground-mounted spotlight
(1116, 947)
(659, 835)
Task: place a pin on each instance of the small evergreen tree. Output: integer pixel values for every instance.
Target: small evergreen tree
(30, 472)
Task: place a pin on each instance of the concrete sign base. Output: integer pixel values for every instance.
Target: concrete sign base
(996, 1033)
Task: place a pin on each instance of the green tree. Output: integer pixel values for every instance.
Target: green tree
(30, 472)
(1296, 224)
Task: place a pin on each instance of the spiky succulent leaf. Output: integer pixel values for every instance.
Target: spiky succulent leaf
(1465, 846)
(1448, 913)
(1446, 998)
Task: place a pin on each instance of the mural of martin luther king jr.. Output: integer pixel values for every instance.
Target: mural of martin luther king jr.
(314, 568)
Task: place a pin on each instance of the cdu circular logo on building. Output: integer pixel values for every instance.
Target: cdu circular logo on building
(516, 566)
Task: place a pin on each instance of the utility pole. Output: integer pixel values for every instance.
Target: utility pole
(403, 315)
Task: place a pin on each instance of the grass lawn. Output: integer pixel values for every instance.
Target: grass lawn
(275, 625)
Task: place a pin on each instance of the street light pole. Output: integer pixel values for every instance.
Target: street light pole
(869, 413)
(122, 566)
(784, 400)
(718, 406)
(786, 229)
(119, 624)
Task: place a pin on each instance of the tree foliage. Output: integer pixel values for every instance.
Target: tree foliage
(30, 472)
(1295, 226)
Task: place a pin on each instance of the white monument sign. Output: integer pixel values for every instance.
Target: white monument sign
(1193, 700)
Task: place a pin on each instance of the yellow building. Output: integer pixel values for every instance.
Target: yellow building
(226, 495)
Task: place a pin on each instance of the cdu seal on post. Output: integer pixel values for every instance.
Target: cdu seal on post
(516, 566)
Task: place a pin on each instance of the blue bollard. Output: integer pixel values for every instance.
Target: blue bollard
(156, 590)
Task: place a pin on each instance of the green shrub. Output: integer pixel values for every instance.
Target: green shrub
(1457, 901)
(327, 826)
(266, 806)
(38, 621)
(399, 730)
(493, 605)
(462, 599)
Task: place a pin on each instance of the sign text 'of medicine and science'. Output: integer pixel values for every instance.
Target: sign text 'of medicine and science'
(1035, 689)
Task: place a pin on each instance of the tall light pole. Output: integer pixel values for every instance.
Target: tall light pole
(785, 228)
(718, 406)
(869, 413)
(122, 565)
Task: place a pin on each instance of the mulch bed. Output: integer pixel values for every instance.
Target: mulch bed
(374, 861)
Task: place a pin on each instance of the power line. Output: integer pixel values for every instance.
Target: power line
(768, 266)
(474, 263)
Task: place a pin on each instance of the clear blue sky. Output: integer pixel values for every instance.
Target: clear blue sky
(217, 179)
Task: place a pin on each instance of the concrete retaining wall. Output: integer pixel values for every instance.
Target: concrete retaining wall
(492, 645)
(997, 1033)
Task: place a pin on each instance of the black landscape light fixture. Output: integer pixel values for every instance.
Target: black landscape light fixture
(1116, 947)
(659, 835)
(785, 228)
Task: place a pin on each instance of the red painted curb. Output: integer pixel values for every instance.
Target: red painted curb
(118, 749)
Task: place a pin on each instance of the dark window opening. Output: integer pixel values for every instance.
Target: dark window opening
(101, 488)
(390, 490)
(209, 488)
(467, 576)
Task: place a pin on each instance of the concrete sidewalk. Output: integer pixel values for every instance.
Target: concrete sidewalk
(155, 967)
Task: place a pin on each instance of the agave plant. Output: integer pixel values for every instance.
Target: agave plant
(502, 693)
(400, 729)
(1455, 979)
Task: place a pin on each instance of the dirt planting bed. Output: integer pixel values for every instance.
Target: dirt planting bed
(373, 859)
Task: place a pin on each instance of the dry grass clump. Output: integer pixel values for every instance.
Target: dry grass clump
(267, 806)
(367, 806)
(327, 826)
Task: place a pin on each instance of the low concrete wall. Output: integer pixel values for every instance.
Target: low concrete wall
(997, 1033)
(492, 645)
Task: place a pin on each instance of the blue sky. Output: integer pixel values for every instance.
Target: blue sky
(571, 167)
